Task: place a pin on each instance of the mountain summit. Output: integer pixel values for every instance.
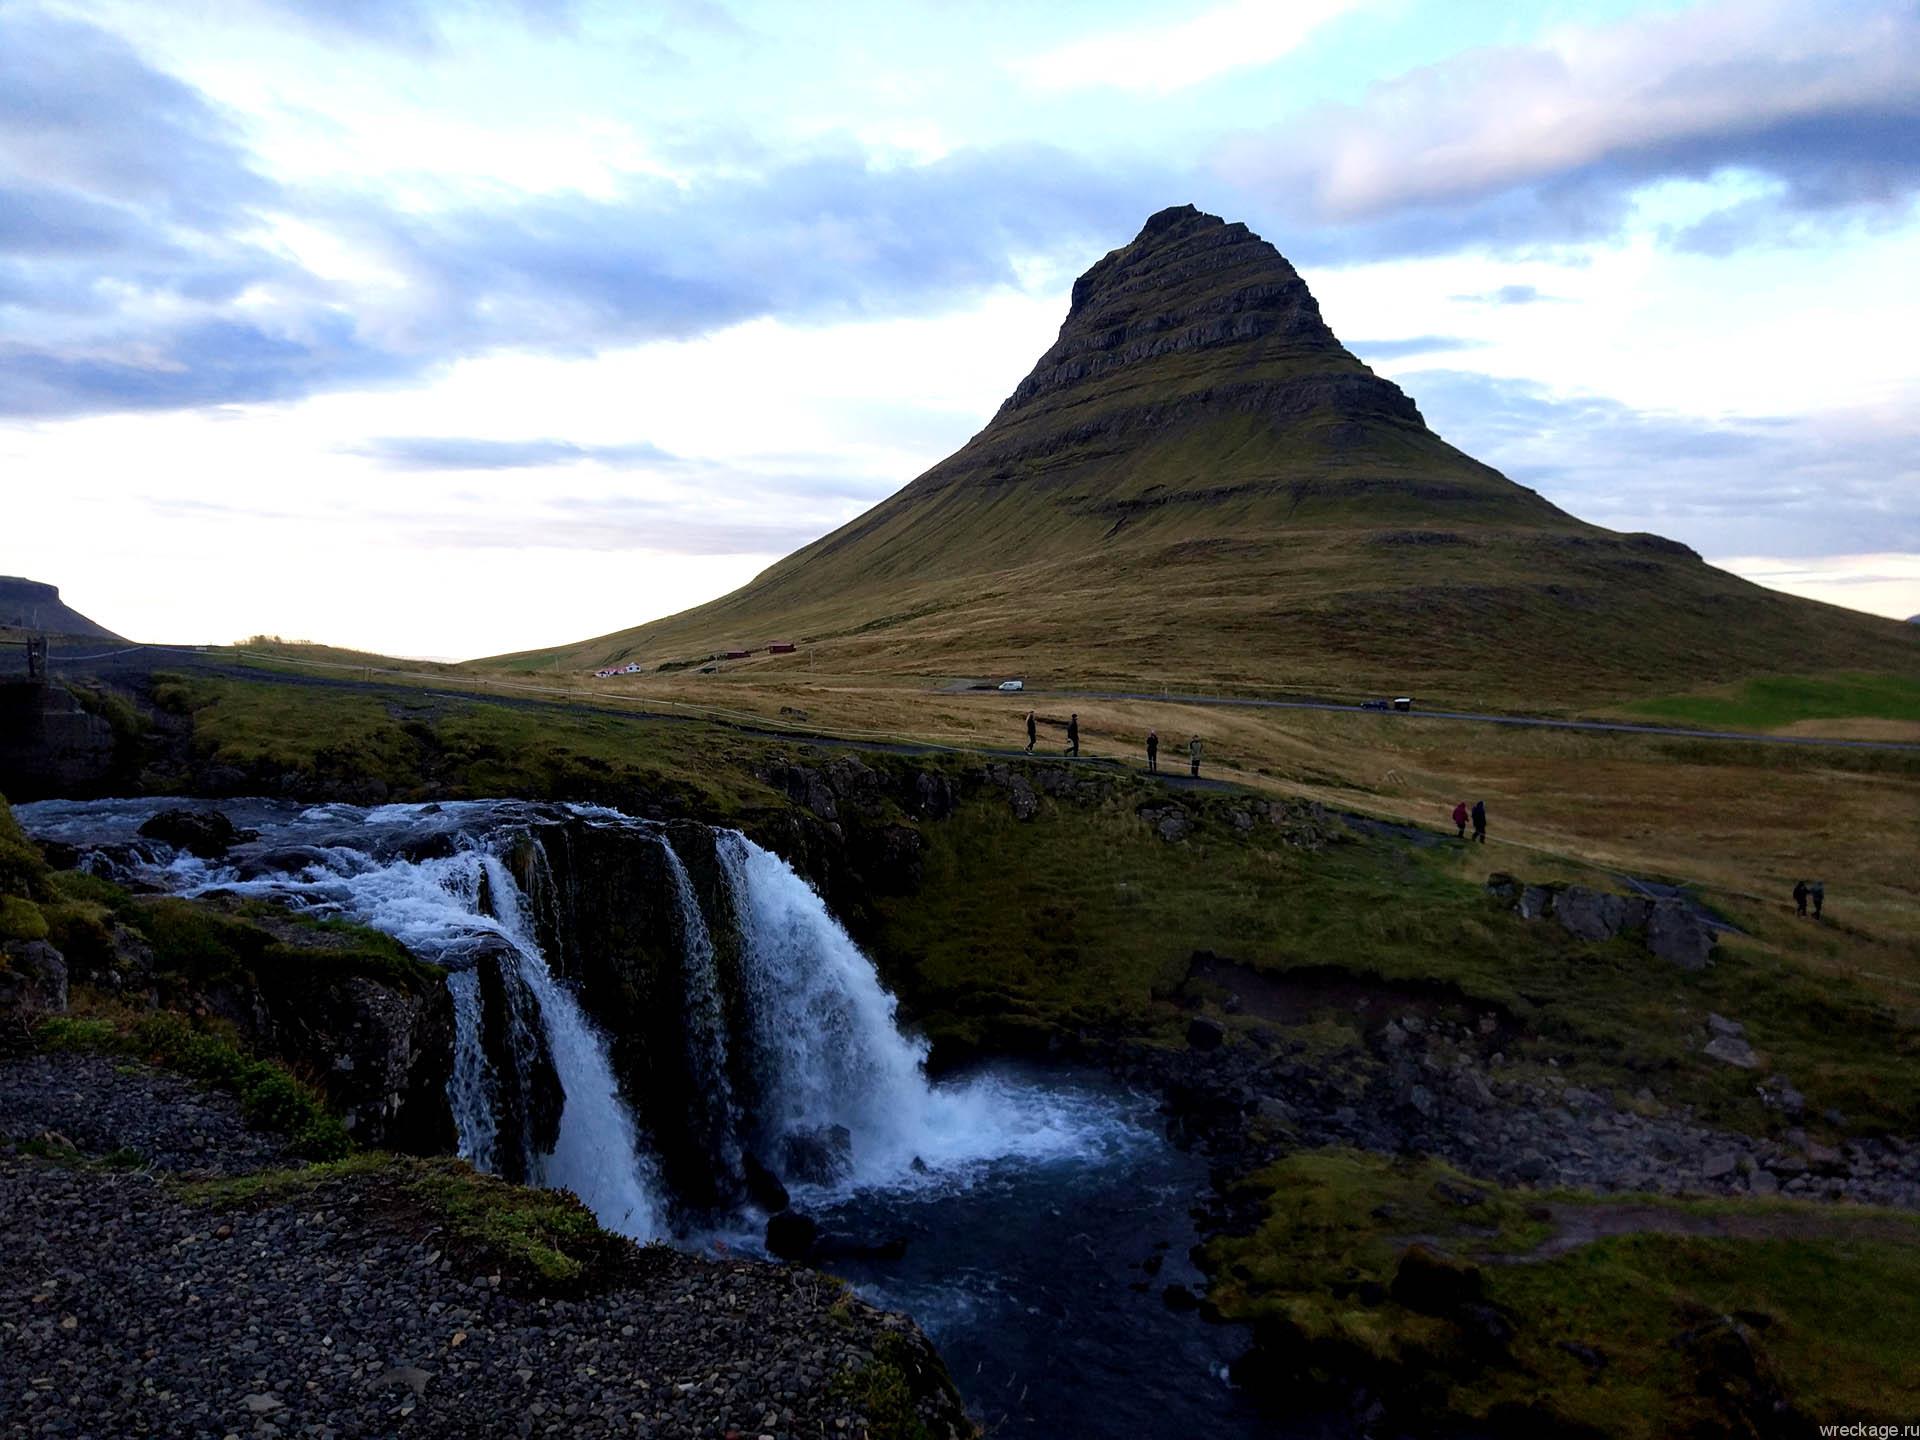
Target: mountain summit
(1198, 485)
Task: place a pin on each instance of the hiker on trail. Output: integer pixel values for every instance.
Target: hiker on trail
(1819, 897)
(1480, 821)
(1033, 731)
(1800, 893)
(1193, 754)
(1153, 752)
(1073, 735)
(1460, 818)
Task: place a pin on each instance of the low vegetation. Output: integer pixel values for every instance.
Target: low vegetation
(1775, 702)
(269, 1095)
(1362, 1260)
(536, 1240)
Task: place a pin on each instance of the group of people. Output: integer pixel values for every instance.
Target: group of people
(1478, 815)
(1153, 743)
(1803, 892)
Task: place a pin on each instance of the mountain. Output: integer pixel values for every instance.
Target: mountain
(33, 605)
(1198, 485)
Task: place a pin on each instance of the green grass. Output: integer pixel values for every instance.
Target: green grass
(536, 1239)
(1083, 917)
(1830, 1304)
(270, 1097)
(1770, 702)
(406, 744)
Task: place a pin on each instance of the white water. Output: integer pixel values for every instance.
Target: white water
(470, 1090)
(827, 1028)
(706, 1016)
(595, 1155)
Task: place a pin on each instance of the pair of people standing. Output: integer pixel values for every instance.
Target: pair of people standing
(1073, 733)
(1478, 815)
(1153, 753)
(1803, 892)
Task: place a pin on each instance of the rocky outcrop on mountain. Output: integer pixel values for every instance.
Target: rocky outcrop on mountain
(1672, 928)
(35, 605)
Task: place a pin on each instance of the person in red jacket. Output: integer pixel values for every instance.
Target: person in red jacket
(1460, 818)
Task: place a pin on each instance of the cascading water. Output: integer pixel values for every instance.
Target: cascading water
(471, 1091)
(595, 1155)
(705, 1024)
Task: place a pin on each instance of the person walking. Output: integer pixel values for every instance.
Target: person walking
(1033, 731)
(1153, 752)
(1819, 891)
(1073, 735)
(1460, 819)
(1800, 893)
(1480, 821)
(1193, 755)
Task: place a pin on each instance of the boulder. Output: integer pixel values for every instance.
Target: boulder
(1503, 887)
(819, 1156)
(1205, 1034)
(33, 979)
(1536, 903)
(791, 1235)
(1434, 1284)
(1589, 914)
(763, 1186)
(206, 833)
(1732, 1050)
(1679, 936)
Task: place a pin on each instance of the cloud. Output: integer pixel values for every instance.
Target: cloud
(421, 452)
(1547, 143)
(1162, 59)
(1509, 295)
(1840, 481)
(1413, 345)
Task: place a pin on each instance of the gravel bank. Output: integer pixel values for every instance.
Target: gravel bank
(128, 1308)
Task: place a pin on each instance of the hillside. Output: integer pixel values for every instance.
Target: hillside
(1199, 485)
(34, 605)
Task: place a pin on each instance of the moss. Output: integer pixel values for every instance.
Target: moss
(22, 869)
(21, 919)
(882, 1391)
(539, 1240)
(1625, 1336)
(270, 1097)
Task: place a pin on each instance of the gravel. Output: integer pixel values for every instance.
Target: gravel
(130, 1308)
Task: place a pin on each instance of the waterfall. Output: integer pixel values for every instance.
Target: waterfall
(759, 1026)
(596, 1156)
(705, 1022)
(471, 1091)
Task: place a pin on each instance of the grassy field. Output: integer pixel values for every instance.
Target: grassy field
(1641, 1335)
(1790, 702)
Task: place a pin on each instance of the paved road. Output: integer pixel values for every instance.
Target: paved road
(146, 658)
(1532, 721)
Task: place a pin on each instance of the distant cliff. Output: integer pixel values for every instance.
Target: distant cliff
(33, 605)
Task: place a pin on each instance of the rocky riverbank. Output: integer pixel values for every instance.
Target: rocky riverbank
(140, 1297)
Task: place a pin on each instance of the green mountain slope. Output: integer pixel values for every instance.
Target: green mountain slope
(1198, 485)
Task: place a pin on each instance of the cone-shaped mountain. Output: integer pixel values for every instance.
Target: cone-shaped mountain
(1198, 484)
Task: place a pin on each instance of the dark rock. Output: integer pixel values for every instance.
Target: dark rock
(206, 833)
(1536, 903)
(764, 1188)
(1680, 936)
(817, 1157)
(33, 980)
(1205, 1034)
(791, 1235)
(1589, 914)
(1503, 887)
(50, 744)
(1179, 1297)
(1434, 1284)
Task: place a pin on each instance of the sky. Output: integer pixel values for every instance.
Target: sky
(451, 327)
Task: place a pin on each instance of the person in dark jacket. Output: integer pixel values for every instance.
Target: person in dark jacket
(1073, 735)
(1193, 755)
(1153, 752)
(1033, 731)
(1800, 893)
(1819, 892)
(1480, 821)
(1460, 818)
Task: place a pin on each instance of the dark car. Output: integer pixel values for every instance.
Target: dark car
(1373, 705)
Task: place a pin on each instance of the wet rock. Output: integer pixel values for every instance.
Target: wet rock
(791, 1235)
(206, 833)
(819, 1156)
(764, 1188)
(1180, 1298)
